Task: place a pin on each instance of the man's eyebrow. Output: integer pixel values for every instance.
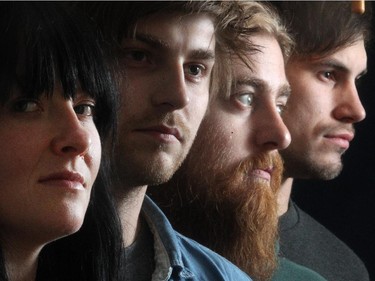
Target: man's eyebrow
(153, 41)
(332, 63)
(248, 81)
(283, 91)
(159, 44)
(202, 54)
(259, 84)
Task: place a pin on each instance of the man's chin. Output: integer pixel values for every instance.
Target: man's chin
(315, 170)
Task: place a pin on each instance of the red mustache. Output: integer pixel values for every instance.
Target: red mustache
(271, 162)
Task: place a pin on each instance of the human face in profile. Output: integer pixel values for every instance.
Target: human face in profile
(322, 110)
(168, 65)
(248, 122)
(50, 156)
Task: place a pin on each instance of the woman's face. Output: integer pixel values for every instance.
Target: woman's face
(49, 158)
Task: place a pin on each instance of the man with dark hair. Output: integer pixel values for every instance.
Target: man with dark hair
(167, 51)
(328, 59)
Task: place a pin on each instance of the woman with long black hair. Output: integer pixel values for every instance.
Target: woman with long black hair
(57, 119)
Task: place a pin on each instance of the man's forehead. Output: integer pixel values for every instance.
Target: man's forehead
(337, 51)
(350, 59)
(196, 33)
(177, 18)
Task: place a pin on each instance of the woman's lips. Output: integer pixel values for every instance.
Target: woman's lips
(67, 179)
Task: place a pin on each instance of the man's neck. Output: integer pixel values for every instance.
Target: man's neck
(283, 196)
(129, 204)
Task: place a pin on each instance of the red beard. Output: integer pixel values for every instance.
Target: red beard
(226, 210)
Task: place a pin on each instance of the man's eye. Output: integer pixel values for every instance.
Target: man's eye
(280, 108)
(246, 99)
(85, 109)
(327, 75)
(195, 70)
(26, 105)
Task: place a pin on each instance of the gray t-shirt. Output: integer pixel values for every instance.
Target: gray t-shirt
(139, 256)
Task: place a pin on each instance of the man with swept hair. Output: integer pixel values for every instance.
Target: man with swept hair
(224, 194)
(323, 70)
(167, 50)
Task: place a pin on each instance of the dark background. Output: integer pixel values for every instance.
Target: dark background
(346, 205)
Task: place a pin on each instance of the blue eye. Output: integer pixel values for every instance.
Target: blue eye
(280, 108)
(246, 99)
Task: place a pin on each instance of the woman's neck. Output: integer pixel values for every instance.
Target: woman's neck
(21, 264)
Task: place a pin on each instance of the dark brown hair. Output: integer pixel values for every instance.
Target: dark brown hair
(323, 27)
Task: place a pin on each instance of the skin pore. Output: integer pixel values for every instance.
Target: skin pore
(164, 99)
(326, 104)
(56, 145)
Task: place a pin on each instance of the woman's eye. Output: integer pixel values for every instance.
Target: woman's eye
(26, 105)
(245, 99)
(136, 55)
(85, 109)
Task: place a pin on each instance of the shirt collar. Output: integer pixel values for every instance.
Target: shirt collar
(168, 257)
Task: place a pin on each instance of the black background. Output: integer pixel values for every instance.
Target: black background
(346, 205)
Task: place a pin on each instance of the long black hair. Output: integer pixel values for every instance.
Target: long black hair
(44, 45)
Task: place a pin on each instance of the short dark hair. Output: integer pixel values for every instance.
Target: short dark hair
(323, 27)
(118, 20)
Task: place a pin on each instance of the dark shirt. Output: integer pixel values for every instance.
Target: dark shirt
(139, 257)
(305, 241)
(290, 271)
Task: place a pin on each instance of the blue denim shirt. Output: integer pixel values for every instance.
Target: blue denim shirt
(180, 258)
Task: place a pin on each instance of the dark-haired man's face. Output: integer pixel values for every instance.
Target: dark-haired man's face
(168, 66)
(322, 110)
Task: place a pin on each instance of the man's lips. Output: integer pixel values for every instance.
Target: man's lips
(68, 179)
(340, 139)
(264, 174)
(162, 132)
